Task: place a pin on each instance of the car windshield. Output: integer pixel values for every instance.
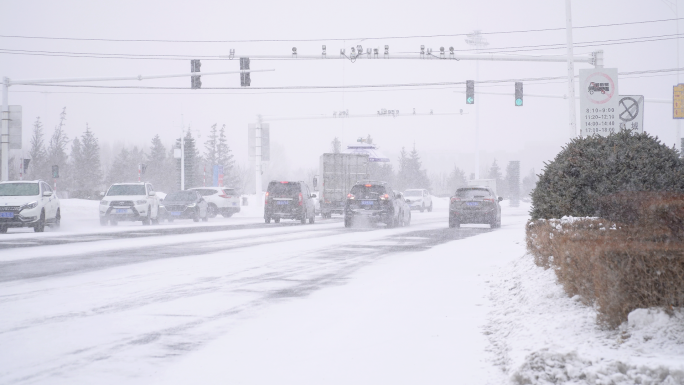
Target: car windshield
(19, 189)
(470, 193)
(413, 193)
(126, 189)
(368, 191)
(181, 196)
(287, 189)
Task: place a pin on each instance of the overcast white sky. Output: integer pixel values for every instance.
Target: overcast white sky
(532, 134)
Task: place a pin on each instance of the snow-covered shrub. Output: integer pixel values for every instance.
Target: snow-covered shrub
(658, 216)
(616, 267)
(593, 167)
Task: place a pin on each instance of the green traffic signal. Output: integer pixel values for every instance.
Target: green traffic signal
(470, 100)
(518, 102)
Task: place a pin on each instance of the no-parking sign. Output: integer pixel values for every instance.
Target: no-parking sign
(599, 101)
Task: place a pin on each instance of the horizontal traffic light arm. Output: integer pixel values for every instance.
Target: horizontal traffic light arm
(139, 77)
(418, 56)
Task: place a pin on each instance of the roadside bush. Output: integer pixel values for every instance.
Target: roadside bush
(590, 168)
(637, 262)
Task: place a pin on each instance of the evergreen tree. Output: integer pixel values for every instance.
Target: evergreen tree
(224, 158)
(75, 165)
(382, 172)
(193, 178)
(211, 147)
(160, 167)
(402, 172)
(528, 183)
(38, 168)
(88, 169)
(456, 180)
(56, 151)
(336, 146)
(495, 173)
(125, 166)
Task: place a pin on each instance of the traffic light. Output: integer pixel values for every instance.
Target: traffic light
(518, 94)
(245, 80)
(55, 172)
(195, 81)
(470, 92)
(143, 168)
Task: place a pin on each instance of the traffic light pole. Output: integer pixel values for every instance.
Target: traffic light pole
(571, 71)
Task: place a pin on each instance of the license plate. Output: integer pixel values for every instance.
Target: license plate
(175, 213)
(282, 202)
(122, 211)
(6, 215)
(234, 204)
(472, 203)
(367, 203)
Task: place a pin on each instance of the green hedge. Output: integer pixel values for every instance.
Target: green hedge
(590, 168)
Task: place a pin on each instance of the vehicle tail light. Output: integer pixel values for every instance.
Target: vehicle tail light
(488, 199)
(350, 196)
(368, 185)
(455, 199)
(384, 197)
(284, 182)
(301, 199)
(266, 198)
(228, 196)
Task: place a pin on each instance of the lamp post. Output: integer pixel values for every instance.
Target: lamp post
(475, 39)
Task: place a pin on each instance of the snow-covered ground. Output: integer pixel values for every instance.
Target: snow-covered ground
(80, 216)
(311, 304)
(541, 336)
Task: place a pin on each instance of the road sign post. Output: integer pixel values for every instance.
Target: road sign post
(631, 113)
(599, 101)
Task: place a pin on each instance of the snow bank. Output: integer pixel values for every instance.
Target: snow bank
(540, 336)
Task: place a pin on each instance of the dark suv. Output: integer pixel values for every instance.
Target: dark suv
(475, 205)
(290, 200)
(373, 202)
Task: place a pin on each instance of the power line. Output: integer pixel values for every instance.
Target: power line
(539, 47)
(367, 86)
(249, 92)
(328, 39)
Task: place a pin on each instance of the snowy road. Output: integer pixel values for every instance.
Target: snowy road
(125, 305)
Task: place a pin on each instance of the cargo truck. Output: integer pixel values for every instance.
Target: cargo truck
(338, 173)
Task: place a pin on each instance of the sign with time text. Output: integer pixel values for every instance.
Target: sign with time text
(678, 102)
(599, 101)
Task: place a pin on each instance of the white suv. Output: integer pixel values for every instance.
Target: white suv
(129, 202)
(28, 204)
(221, 200)
(418, 199)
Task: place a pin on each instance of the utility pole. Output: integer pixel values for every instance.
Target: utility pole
(4, 147)
(257, 159)
(476, 39)
(182, 158)
(571, 71)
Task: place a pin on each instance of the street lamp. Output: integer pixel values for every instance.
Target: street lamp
(478, 41)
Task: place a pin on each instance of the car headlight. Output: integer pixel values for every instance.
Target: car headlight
(29, 206)
(104, 203)
(192, 205)
(161, 206)
(140, 202)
